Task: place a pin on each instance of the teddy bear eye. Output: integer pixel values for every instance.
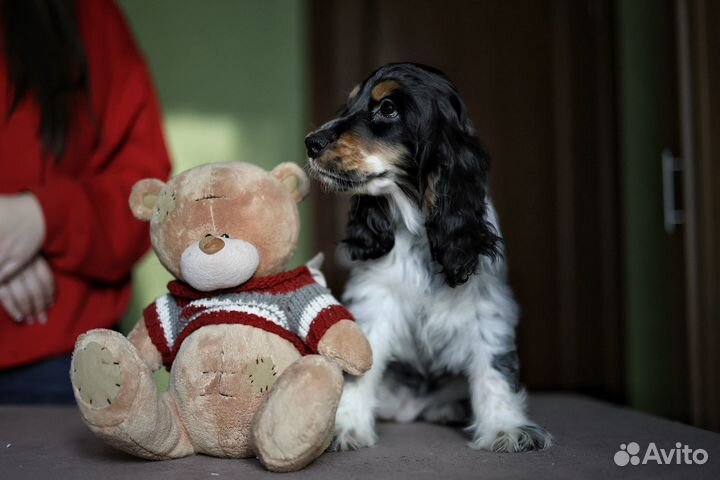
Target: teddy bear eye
(208, 235)
(225, 235)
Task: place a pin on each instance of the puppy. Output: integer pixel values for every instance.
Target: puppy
(428, 281)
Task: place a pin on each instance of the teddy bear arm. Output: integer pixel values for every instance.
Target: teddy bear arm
(140, 338)
(346, 345)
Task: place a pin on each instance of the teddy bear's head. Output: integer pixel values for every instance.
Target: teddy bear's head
(218, 225)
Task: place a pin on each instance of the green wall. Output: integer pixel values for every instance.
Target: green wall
(231, 76)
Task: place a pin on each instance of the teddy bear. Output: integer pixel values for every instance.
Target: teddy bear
(256, 352)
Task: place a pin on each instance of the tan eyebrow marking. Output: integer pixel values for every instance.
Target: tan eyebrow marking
(383, 89)
(354, 91)
(430, 194)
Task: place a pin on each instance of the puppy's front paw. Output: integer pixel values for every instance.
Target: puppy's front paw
(518, 439)
(353, 438)
(355, 419)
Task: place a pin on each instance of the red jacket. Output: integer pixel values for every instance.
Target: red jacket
(92, 240)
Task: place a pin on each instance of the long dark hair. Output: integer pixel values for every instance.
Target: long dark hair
(46, 58)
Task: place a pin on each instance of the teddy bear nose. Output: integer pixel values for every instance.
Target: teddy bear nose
(211, 244)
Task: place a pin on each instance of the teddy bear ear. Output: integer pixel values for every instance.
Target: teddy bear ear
(143, 197)
(294, 179)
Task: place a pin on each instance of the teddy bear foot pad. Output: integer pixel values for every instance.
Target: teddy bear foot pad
(96, 375)
(293, 426)
(119, 401)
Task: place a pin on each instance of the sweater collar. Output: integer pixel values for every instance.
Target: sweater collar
(261, 284)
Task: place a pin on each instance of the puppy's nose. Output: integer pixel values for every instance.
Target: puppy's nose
(316, 143)
(211, 245)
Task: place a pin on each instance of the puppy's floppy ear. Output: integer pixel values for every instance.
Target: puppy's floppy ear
(294, 179)
(144, 196)
(369, 229)
(454, 178)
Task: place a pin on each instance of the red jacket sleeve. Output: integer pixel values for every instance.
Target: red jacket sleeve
(90, 231)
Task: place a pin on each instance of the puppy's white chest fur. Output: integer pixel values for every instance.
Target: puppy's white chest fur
(433, 326)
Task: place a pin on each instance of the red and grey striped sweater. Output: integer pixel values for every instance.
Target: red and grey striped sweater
(291, 305)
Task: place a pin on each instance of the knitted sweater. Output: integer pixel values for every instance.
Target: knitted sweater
(291, 305)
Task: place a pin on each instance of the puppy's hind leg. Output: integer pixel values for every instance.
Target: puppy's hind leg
(449, 404)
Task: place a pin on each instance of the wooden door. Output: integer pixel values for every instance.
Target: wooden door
(648, 124)
(698, 40)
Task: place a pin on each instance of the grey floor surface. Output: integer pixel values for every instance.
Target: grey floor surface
(52, 443)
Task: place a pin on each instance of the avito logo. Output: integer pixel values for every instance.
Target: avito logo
(680, 455)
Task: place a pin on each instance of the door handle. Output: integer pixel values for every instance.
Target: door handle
(671, 165)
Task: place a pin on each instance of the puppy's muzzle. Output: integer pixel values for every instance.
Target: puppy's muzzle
(317, 141)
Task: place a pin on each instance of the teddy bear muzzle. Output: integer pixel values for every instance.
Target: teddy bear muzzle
(215, 263)
(211, 244)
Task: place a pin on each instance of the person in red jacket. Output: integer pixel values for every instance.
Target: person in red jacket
(80, 124)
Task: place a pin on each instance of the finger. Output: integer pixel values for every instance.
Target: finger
(8, 269)
(33, 290)
(8, 303)
(21, 296)
(45, 277)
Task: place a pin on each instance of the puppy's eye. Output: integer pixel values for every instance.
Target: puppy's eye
(388, 109)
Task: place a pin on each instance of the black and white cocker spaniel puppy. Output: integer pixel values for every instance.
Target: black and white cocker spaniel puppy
(428, 279)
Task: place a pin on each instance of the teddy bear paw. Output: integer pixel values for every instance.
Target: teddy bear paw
(96, 375)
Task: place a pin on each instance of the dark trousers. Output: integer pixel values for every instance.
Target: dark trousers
(44, 382)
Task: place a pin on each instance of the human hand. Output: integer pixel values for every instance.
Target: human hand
(22, 232)
(28, 294)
